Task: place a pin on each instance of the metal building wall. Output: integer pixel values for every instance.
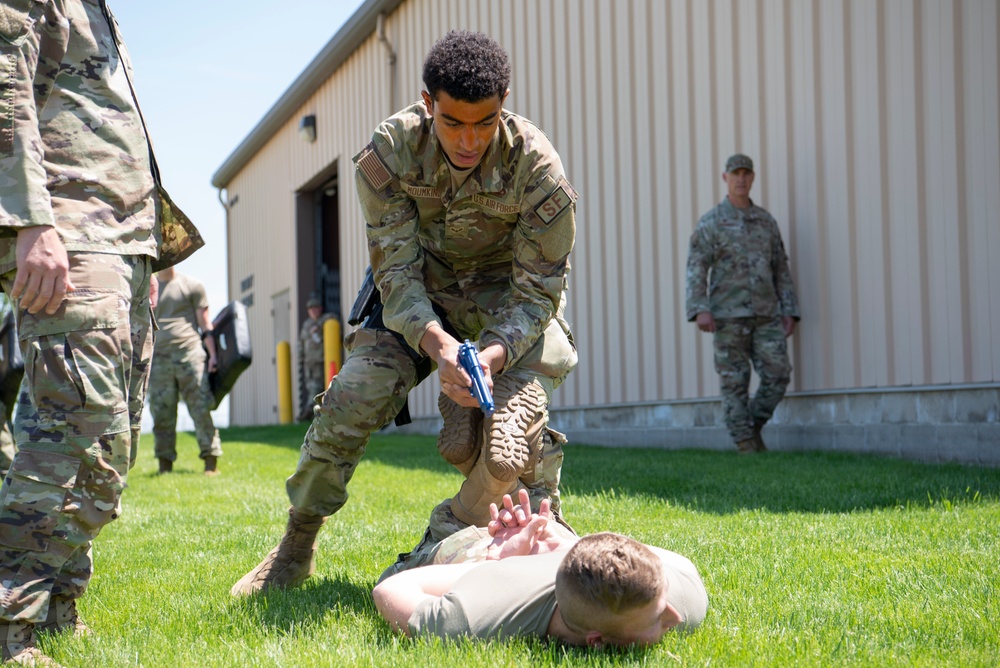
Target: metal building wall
(874, 126)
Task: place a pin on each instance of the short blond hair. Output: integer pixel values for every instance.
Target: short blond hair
(604, 575)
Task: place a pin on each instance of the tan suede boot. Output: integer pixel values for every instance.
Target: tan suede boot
(17, 644)
(290, 563)
(63, 616)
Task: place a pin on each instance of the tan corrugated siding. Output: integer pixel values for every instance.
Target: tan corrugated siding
(875, 131)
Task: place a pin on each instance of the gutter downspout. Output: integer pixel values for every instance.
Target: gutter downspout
(380, 31)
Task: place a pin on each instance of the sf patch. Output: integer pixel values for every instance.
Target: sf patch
(371, 166)
(556, 202)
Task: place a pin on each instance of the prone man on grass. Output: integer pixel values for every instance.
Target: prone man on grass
(526, 575)
(470, 222)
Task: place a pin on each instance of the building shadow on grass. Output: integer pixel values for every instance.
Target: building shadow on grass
(726, 482)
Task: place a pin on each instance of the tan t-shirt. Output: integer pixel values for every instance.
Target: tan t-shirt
(497, 600)
(176, 314)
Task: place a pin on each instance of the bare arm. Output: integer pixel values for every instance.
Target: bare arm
(206, 326)
(398, 596)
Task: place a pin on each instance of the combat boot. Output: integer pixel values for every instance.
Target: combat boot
(460, 439)
(747, 447)
(211, 466)
(63, 616)
(17, 642)
(166, 466)
(758, 440)
(514, 433)
(290, 563)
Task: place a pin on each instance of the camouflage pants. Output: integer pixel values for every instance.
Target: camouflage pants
(76, 428)
(314, 382)
(181, 373)
(740, 342)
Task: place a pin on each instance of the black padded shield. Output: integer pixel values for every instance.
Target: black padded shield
(232, 345)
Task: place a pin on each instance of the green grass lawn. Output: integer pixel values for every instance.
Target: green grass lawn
(809, 559)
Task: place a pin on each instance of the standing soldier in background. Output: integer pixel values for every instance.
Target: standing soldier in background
(311, 355)
(84, 224)
(470, 222)
(739, 287)
(181, 364)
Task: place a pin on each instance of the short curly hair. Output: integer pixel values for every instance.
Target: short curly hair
(469, 66)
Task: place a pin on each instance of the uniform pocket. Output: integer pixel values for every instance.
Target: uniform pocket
(76, 366)
(14, 18)
(39, 484)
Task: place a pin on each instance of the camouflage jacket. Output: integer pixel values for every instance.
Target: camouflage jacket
(311, 339)
(737, 265)
(73, 150)
(494, 254)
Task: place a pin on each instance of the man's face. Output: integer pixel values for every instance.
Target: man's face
(465, 129)
(738, 183)
(645, 626)
(315, 312)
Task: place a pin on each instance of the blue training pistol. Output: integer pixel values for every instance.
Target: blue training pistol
(468, 357)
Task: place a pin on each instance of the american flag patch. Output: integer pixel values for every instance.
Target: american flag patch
(374, 170)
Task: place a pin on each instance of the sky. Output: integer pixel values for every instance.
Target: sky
(206, 72)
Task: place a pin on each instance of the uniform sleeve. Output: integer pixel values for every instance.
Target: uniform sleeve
(441, 616)
(546, 232)
(24, 198)
(788, 302)
(397, 258)
(700, 259)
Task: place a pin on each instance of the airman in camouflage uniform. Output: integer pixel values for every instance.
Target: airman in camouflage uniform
(739, 287)
(183, 356)
(470, 222)
(84, 225)
(312, 355)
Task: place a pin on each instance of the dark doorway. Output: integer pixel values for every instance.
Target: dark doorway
(318, 246)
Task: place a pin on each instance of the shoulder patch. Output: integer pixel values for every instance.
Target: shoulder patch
(371, 166)
(559, 199)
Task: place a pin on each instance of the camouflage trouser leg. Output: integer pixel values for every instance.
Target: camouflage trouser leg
(732, 363)
(769, 354)
(315, 380)
(179, 373)
(738, 341)
(85, 371)
(365, 395)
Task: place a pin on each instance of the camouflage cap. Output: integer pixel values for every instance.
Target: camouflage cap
(738, 161)
(313, 301)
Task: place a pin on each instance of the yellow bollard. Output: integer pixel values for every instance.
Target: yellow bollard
(331, 348)
(283, 360)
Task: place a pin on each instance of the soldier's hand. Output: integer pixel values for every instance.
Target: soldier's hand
(213, 363)
(443, 349)
(705, 322)
(42, 278)
(154, 292)
(788, 323)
